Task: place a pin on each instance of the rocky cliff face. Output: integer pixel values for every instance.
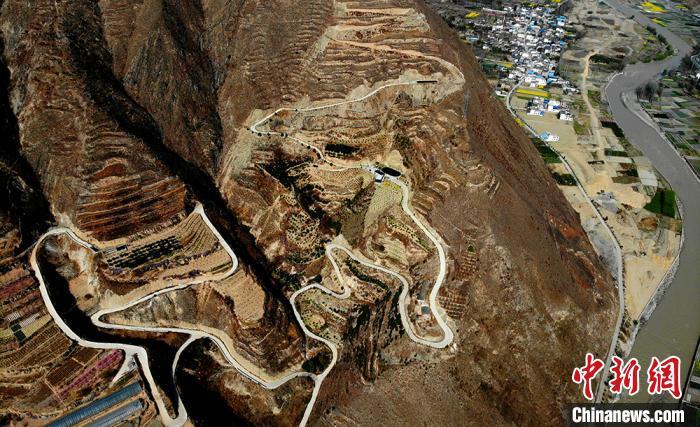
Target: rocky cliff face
(128, 110)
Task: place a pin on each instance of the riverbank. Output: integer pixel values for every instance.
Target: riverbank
(615, 182)
(673, 327)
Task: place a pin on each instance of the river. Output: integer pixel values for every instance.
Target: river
(674, 326)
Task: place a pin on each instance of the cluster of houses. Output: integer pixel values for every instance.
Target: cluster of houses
(537, 106)
(522, 42)
(530, 37)
(535, 38)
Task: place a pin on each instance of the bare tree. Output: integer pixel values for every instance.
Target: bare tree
(650, 90)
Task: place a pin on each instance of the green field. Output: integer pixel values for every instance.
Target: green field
(663, 202)
(564, 178)
(615, 153)
(594, 97)
(548, 155)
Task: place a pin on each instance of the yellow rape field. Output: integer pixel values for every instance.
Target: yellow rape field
(651, 7)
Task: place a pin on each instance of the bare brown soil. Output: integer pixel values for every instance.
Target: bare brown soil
(129, 110)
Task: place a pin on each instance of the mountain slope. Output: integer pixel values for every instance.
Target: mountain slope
(130, 110)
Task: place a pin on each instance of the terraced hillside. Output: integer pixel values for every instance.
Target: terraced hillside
(397, 238)
(237, 319)
(43, 373)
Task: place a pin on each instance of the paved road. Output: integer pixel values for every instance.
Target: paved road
(439, 279)
(674, 326)
(346, 292)
(334, 349)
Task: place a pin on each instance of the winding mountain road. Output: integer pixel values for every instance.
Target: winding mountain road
(141, 355)
(448, 335)
(129, 350)
(139, 352)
